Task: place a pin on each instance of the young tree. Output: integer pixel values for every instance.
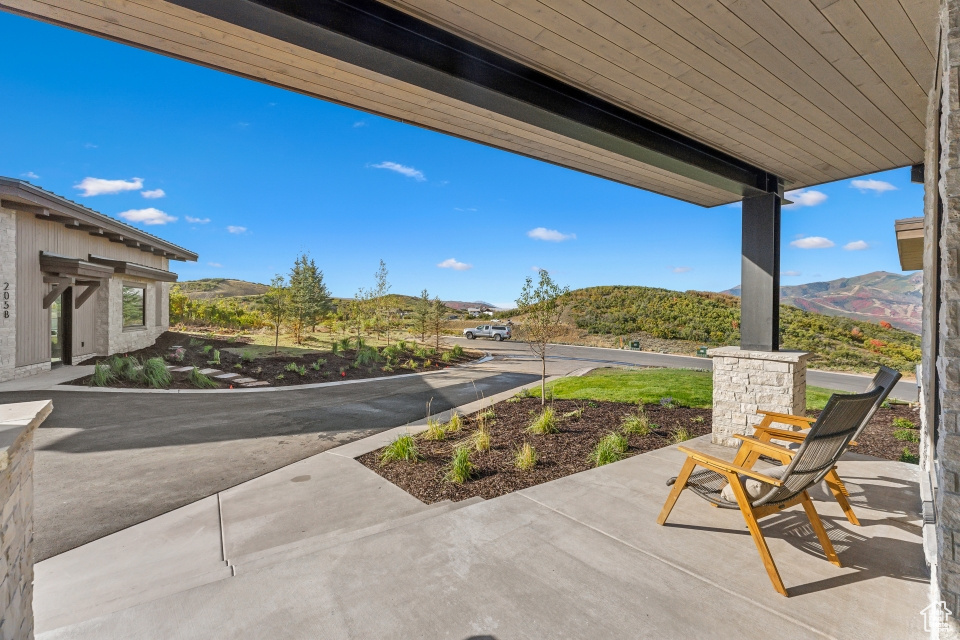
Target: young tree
(421, 315)
(276, 302)
(358, 312)
(381, 308)
(438, 318)
(541, 310)
(309, 297)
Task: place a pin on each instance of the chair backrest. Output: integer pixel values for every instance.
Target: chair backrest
(885, 379)
(824, 444)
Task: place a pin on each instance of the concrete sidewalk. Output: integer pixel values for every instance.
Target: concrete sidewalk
(325, 548)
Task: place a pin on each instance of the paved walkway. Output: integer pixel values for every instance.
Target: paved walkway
(327, 549)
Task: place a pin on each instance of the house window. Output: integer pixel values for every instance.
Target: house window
(134, 311)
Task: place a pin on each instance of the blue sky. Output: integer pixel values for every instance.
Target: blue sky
(251, 175)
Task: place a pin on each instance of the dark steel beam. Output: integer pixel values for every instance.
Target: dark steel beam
(760, 274)
(387, 41)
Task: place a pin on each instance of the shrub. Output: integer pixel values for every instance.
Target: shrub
(525, 457)
(387, 368)
(667, 402)
(903, 423)
(637, 423)
(911, 458)
(177, 354)
(102, 376)
(359, 342)
(391, 352)
(446, 357)
(611, 448)
(403, 448)
(906, 435)
(367, 356)
(457, 351)
(427, 363)
(155, 373)
(316, 365)
(460, 468)
(435, 431)
(238, 366)
(544, 423)
(200, 381)
(216, 357)
(411, 364)
(420, 352)
(486, 415)
(246, 356)
(193, 342)
(680, 435)
(207, 348)
(335, 349)
(576, 414)
(402, 346)
(697, 420)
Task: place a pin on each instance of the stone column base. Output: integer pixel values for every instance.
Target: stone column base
(745, 382)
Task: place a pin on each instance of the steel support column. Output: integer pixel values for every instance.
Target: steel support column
(760, 274)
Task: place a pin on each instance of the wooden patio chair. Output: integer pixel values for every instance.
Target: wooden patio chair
(758, 494)
(885, 379)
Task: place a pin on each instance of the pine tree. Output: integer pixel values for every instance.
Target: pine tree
(438, 319)
(309, 297)
(421, 315)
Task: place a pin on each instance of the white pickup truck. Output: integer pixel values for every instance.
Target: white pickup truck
(497, 332)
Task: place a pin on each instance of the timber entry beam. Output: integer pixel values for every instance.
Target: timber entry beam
(389, 42)
(760, 274)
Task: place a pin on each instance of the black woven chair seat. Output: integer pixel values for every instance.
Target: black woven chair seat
(708, 485)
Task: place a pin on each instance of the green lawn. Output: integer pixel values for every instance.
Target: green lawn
(687, 388)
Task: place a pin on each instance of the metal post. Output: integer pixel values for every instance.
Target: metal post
(760, 274)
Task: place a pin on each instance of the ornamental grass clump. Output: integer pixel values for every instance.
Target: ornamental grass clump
(681, 435)
(481, 438)
(403, 448)
(454, 424)
(460, 468)
(102, 376)
(544, 423)
(636, 423)
(436, 430)
(909, 457)
(155, 373)
(200, 381)
(525, 457)
(611, 448)
(907, 435)
(367, 356)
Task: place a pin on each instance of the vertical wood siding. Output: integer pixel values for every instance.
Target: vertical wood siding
(33, 321)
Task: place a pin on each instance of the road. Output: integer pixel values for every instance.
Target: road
(598, 357)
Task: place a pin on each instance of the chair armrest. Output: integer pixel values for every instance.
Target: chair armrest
(782, 434)
(786, 418)
(705, 460)
(762, 446)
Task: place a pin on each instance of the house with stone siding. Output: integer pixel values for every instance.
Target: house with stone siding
(75, 283)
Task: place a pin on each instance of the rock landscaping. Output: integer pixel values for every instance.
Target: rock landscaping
(199, 362)
(514, 445)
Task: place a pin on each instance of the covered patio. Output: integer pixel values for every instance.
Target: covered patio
(712, 103)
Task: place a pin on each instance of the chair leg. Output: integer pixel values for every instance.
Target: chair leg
(839, 491)
(819, 530)
(678, 487)
(744, 502)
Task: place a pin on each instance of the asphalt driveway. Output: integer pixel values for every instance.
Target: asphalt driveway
(106, 461)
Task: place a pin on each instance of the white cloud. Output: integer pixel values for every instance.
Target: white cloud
(804, 198)
(153, 193)
(237, 230)
(550, 235)
(813, 242)
(89, 145)
(452, 263)
(358, 124)
(402, 169)
(31, 175)
(877, 186)
(791, 274)
(856, 245)
(193, 220)
(680, 269)
(148, 216)
(465, 209)
(99, 186)
(215, 264)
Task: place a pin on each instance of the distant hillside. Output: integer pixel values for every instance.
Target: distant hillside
(713, 319)
(463, 306)
(895, 298)
(209, 288)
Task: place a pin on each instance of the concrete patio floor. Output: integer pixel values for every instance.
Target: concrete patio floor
(325, 548)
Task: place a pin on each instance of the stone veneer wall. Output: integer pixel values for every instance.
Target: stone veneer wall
(947, 467)
(8, 292)
(17, 425)
(109, 335)
(745, 382)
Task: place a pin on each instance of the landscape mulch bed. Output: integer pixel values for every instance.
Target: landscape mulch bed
(560, 454)
(565, 453)
(268, 368)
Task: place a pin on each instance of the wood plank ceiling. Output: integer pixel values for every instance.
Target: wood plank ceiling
(809, 90)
